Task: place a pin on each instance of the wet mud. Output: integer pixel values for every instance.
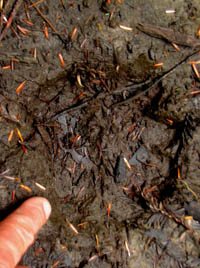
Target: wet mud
(99, 112)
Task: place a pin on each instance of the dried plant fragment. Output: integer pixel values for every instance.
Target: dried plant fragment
(20, 87)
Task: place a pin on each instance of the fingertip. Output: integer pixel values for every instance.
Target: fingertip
(47, 208)
(40, 202)
(17, 231)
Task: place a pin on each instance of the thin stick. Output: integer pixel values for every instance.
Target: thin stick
(62, 3)
(169, 35)
(36, 3)
(18, 57)
(50, 24)
(69, 109)
(8, 6)
(44, 18)
(11, 17)
(156, 80)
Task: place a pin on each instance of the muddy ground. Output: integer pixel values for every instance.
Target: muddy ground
(112, 138)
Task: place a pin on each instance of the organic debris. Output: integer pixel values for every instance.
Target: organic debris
(99, 113)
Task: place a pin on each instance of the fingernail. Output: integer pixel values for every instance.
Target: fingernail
(47, 208)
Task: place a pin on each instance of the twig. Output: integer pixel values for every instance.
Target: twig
(189, 189)
(13, 13)
(7, 7)
(18, 57)
(36, 3)
(62, 3)
(69, 109)
(44, 18)
(76, 106)
(169, 35)
(132, 87)
(2, 174)
(155, 81)
(50, 24)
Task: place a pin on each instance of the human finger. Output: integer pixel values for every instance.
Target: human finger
(18, 230)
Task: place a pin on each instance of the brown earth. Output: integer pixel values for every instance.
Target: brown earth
(113, 139)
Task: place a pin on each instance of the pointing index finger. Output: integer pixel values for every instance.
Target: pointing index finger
(17, 231)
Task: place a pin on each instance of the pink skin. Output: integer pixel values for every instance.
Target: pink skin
(18, 231)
